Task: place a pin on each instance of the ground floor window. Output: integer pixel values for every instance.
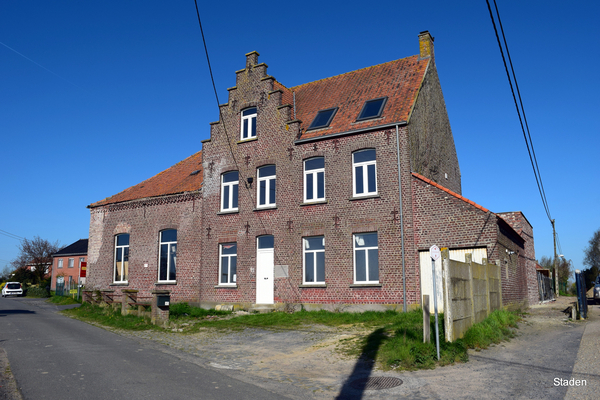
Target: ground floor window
(314, 259)
(228, 263)
(366, 258)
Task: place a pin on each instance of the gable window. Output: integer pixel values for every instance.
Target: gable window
(229, 191)
(60, 263)
(366, 258)
(372, 109)
(248, 128)
(266, 186)
(167, 264)
(364, 173)
(71, 262)
(314, 179)
(228, 263)
(323, 118)
(121, 258)
(314, 259)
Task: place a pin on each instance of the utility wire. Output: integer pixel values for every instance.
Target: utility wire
(294, 290)
(11, 235)
(521, 109)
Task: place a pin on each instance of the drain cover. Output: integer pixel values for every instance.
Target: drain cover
(376, 383)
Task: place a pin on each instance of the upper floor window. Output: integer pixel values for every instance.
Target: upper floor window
(372, 109)
(266, 186)
(229, 191)
(314, 179)
(228, 263)
(71, 263)
(167, 265)
(366, 258)
(60, 263)
(364, 173)
(248, 128)
(323, 118)
(314, 259)
(121, 257)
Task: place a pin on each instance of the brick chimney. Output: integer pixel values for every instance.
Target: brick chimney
(425, 44)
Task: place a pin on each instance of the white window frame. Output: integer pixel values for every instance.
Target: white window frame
(231, 278)
(364, 165)
(230, 197)
(60, 263)
(122, 247)
(268, 180)
(250, 121)
(314, 173)
(366, 250)
(81, 260)
(169, 244)
(71, 263)
(313, 253)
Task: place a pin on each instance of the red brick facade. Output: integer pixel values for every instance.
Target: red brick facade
(411, 133)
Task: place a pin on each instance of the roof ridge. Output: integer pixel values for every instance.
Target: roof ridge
(458, 196)
(350, 72)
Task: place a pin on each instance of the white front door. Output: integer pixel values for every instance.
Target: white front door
(265, 266)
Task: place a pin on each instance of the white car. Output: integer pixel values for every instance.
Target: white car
(12, 289)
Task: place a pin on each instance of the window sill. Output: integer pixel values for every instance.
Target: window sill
(119, 284)
(314, 203)
(228, 212)
(226, 286)
(247, 140)
(316, 285)
(369, 196)
(364, 285)
(265, 208)
(165, 283)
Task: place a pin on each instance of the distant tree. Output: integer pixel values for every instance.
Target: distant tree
(563, 268)
(592, 260)
(36, 253)
(6, 274)
(23, 275)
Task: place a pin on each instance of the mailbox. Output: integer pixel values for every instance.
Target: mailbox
(163, 300)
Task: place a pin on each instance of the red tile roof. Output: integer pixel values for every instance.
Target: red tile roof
(458, 196)
(177, 179)
(399, 80)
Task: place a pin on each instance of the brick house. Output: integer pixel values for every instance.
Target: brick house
(321, 194)
(148, 236)
(67, 262)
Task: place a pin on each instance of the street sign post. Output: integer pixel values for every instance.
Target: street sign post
(435, 254)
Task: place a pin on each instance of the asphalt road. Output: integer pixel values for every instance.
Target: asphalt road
(55, 357)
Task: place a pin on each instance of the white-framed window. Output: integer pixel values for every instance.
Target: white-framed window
(228, 263)
(81, 261)
(229, 191)
(314, 179)
(266, 186)
(366, 258)
(60, 263)
(167, 258)
(364, 173)
(314, 259)
(71, 263)
(121, 257)
(248, 125)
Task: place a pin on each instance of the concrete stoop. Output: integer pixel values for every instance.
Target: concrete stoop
(262, 308)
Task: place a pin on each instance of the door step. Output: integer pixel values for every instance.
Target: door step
(262, 308)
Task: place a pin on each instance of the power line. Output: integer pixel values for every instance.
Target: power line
(519, 107)
(11, 235)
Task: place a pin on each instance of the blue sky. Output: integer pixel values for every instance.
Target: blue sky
(98, 96)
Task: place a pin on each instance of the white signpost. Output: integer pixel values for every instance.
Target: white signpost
(435, 254)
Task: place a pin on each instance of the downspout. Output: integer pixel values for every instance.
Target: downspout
(401, 222)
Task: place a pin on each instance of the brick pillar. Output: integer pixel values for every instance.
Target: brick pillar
(160, 315)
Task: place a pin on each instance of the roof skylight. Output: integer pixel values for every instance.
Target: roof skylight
(372, 109)
(323, 118)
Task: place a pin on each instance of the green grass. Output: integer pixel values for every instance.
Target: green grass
(63, 300)
(394, 340)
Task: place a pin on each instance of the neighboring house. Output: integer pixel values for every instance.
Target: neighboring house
(67, 262)
(327, 194)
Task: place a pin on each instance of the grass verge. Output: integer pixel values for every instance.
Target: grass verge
(393, 340)
(63, 300)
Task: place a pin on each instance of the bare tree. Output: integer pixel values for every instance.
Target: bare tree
(36, 253)
(592, 260)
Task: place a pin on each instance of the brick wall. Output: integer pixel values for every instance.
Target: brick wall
(65, 271)
(143, 220)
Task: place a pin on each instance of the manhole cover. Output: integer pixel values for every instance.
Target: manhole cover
(376, 383)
